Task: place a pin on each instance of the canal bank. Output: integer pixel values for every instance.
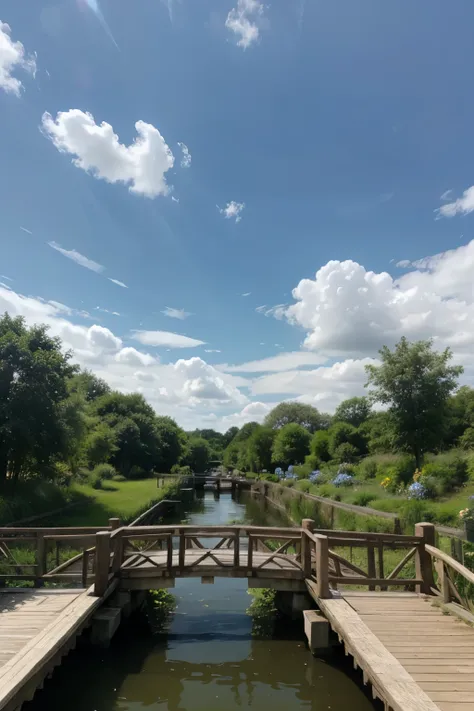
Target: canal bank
(212, 654)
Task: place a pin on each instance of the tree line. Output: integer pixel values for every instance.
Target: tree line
(56, 419)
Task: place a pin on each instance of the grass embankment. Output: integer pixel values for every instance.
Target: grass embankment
(92, 507)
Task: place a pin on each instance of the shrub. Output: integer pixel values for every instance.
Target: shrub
(104, 471)
(96, 481)
(304, 485)
(403, 469)
(363, 498)
(119, 478)
(320, 445)
(466, 441)
(367, 469)
(415, 511)
(345, 452)
(450, 469)
(343, 479)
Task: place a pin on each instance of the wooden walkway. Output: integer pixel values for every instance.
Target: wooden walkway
(385, 595)
(37, 627)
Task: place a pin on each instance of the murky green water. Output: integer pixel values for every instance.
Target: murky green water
(211, 657)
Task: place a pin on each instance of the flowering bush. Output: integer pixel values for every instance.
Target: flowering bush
(279, 472)
(316, 476)
(343, 479)
(417, 491)
(290, 475)
(385, 483)
(467, 514)
(417, 475)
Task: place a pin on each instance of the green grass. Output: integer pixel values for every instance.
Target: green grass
(122, 499)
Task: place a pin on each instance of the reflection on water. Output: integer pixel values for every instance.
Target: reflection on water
(207, 659)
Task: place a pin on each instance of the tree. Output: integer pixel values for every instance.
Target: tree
(355, 411)
(33, 386)
(100, 444)
(291, 444)
(379, 433)
(229, 436)
(172, 443)
(320, 445)
(415, 382)
(198, 454)
(295, 412)
(245, 431)
(259, 448)
(460, 415)
(88, 385)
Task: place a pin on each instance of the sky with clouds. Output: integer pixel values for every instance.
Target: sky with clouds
(228, 203)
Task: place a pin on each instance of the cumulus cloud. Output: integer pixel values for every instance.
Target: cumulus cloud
(232, 210)
(202, 381)
(131, 356)
(119, 283)
(13, 57)
(180, 314)
(243, 21)
(142, 165)
(187, 158)
(78, 258)
(462, 206)
(347, 310)
(253, 412)
(166, 338)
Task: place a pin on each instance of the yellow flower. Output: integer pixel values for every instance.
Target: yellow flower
(417, 475)
(385, 482)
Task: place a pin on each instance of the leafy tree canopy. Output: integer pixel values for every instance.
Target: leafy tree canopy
(298, 413)
(291, 444)
(355, 411)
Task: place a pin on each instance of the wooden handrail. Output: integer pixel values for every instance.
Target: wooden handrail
(454, 564)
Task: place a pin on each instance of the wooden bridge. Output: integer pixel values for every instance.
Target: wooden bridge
(400, 605)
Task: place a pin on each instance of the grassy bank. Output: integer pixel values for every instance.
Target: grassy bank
(91, 507)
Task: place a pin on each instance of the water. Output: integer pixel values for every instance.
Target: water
(212, 655)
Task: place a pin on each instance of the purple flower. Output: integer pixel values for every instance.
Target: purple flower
(417, 491)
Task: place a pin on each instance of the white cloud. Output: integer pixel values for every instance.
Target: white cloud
(212, 350)
(103, 338)
(278, 363)
(403, 263)
(175, 199)
(119, 283)
(131, 356)
(2, 276)
(347, 310)
(142, 165)
(232, 209)
(463, 205)
(242, 20)
(247, 293)
(106, 311)
(166, 338)
(202, 381)
(187, 158)
(25, 230)
(78, 258)
(13, 57)
(446, 195)
(253, 412)
(180, 314)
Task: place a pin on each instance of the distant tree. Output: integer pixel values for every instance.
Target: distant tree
(245, 431)
(295, 412)
(460, 415)
(355, 411)
(379, 433)
(33, 386)
(88, 385)
(172, 443)
(341, 433)
(415, 382)
(100, 444)
(229, 436)
(259, 448)
(291, 444)
(320, 445)
(198, 454)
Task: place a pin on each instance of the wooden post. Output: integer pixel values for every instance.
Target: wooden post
(237, 549)
(118, 547)
(371, 572)
(423, 562)
(114, 523)
(322, 566)
(444, 582)
(182, 550)
(250, 555)
(307, 524)
(40, 559)
(102, 562)
(169, 552)
(457, 550)
(85, 567)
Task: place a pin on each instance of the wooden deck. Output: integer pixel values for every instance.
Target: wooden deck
(37, 627)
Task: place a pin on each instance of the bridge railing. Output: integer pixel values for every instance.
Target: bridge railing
(454, 582)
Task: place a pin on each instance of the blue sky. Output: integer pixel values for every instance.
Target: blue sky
(321, 139)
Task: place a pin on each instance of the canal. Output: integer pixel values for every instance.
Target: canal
(219, 649)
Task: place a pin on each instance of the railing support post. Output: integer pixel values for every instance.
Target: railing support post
(102, 563)
(114, 523)
(423, 563)
(307, 524)
(322, 566)
(40, 559)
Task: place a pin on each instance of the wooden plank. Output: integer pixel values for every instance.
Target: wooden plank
(382, 668)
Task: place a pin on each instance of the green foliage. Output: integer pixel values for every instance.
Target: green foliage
(197, 454)
(320, 446)
(450, 470)
(355, 411)
(33, 385)
(366, 469)
(291, 444)
(259, 448)
(100, 444)
(415, 382)
(341, 433)
(345, 452)
(104, 471)
(379, 433)
(363, 498)
(295, 413)
(466, 441)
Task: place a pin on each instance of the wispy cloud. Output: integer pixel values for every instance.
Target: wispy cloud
(463, 205)
(25, 230)
(78, 258)
(231, 210)
(277, 311)
(187, 158)
(106, 311)
(119, 283)
(94, 6)
(212, 350)
(242, 21)
(166, 338)
(176, 313)
(2, 276)
(403, 263)
(447, 195)
(247, 293)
